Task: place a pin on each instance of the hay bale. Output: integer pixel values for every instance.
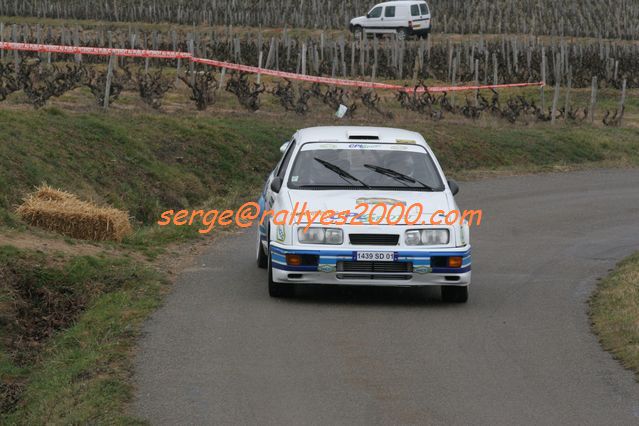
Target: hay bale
(65, 213)
(46, 193)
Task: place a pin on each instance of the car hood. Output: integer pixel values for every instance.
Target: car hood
(358, 20)
(340, 201)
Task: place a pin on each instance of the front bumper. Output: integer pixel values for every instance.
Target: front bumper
(337, 267)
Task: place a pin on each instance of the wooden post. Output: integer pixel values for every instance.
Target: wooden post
(179, 61)
(271, 53)
(375, 54)
(568, 88)
(486, 66)
(16, 54)
(76, 42)
(191, 63)
(303, 58)
(593, 99)
(555, 99)
(39, 37)
(623, 100)
(415, 71)
(353, 72)
(1, 40)
(222, 75)
(452, 95)
(107, 89)
(543, 79)
(259, 65)
(145, 47)
(49, 39)
(477, 81)
(450, 60)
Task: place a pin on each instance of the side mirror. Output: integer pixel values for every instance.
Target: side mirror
(276, 184)
(368, 15)
(283, 147)
(454, 188)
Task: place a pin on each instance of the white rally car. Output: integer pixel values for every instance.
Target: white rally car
(334, 170)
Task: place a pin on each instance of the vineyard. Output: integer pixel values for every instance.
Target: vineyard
(601, 19)
(506, 58)
(581, 47)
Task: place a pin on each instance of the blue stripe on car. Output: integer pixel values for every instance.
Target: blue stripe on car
(331, 257)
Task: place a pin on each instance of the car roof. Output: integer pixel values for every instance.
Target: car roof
(357, 134)
(399, 2)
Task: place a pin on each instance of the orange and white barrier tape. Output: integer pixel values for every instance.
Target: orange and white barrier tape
(165, 54)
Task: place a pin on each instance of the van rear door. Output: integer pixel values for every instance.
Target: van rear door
(420, 14)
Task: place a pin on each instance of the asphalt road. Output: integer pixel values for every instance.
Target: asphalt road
(520, 352)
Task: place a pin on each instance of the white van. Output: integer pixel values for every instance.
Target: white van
(404, 18)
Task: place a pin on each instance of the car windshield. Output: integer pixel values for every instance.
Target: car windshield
(364, 166)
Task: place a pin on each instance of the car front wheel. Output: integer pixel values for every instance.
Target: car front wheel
(261, 258)
(278, 289)
(454, 294)
(358, 32)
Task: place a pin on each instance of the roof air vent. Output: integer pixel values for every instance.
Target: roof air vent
(363, 136)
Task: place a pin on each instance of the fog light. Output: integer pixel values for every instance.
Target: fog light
(293, 259)
(454, 262)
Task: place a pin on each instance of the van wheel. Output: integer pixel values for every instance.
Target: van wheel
(358, 32)
(454, 294)
(261, 258)
(278, 289)
(402, 34)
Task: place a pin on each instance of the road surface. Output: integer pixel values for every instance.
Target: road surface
(520, 352)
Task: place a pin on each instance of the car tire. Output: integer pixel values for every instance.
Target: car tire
(358, 32)
(454, 294)
(261, 257)
(402, 34)
(278, 289)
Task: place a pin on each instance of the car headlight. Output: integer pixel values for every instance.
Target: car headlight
(427, 237)
(331, 236)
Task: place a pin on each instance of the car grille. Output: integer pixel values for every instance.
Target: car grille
(374, 239)
(374, 270)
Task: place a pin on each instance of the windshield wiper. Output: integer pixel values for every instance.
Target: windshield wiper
(397, 175)
(341, 172)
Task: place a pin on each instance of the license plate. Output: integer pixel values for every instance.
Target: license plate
(375, 256)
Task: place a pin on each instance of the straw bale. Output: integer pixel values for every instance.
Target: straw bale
(65, 213)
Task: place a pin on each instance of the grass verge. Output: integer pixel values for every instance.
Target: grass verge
(614, 311)
(69, 326)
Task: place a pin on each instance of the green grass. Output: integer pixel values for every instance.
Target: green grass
(614, 311)
(462, 149)
(144, 163)
(80, 374)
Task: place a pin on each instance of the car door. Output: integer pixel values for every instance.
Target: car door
(279, 173)
(390, 18)
(374, 18)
